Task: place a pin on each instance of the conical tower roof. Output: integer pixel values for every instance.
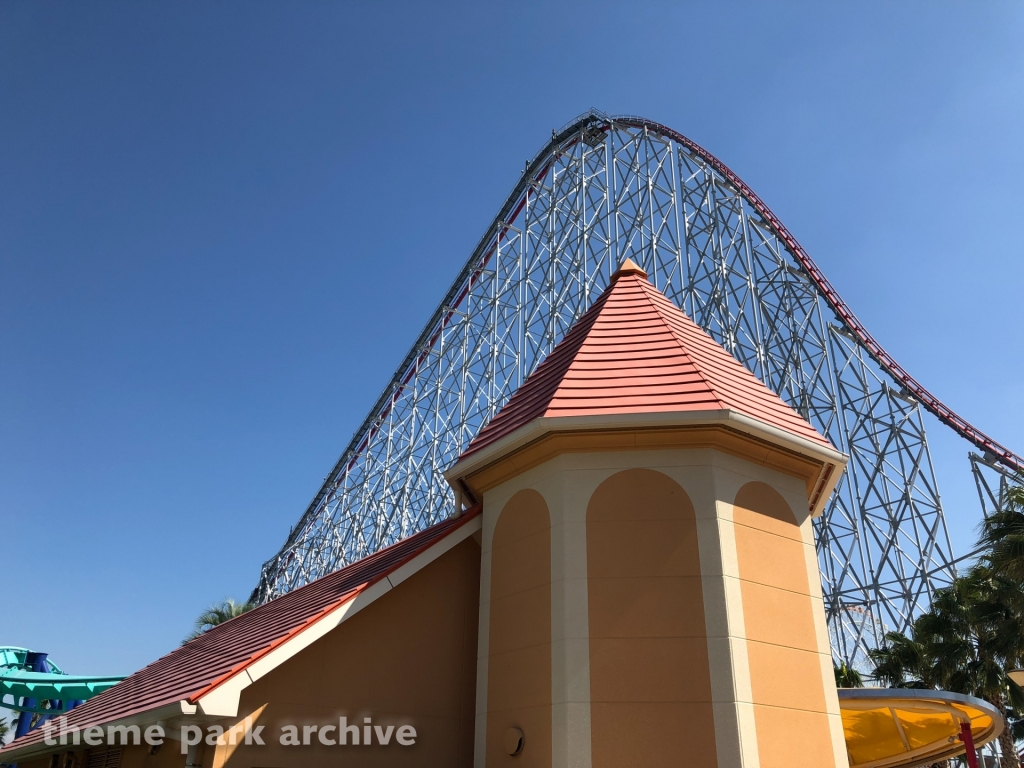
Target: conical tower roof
(635, 352)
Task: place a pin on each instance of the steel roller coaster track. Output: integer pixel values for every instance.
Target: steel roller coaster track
(603, 189)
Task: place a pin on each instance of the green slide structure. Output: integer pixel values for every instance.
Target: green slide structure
(38, 686)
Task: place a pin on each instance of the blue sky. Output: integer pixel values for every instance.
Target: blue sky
(223, 225)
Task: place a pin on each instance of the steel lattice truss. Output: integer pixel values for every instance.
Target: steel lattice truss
(992, 479)
(602, 190)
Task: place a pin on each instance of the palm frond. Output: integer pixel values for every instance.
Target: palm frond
(216, 615)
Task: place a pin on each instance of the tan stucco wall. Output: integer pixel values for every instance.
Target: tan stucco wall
(649, 674)
(519, 652)
(787, 675)
(712, 480)
(407, 658)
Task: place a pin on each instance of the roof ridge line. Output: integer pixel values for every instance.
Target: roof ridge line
(649, 292)
(550, 365)
(634, 326)
(594, 312)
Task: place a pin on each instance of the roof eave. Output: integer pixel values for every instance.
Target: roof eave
(832, 460)
(168, 715)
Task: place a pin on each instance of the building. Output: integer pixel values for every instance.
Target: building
(630, 580)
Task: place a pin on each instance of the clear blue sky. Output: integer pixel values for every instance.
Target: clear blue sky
(223, 224)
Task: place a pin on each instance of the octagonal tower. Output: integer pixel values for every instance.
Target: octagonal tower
(650, 593)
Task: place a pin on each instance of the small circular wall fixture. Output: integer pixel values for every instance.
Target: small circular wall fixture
(513, 741)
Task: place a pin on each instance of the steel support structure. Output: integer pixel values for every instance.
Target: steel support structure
(601, 190)
(992, 479)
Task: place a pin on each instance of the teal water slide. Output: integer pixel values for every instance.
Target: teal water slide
(31, 683)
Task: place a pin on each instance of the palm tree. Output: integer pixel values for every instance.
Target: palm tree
(1003, 533)
(35, 718)
(967, 642)
(901, 662)
(847, 677)
(217, 614)
(975, 630)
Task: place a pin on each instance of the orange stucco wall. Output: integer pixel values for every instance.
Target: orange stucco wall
(407, 658)
(519, 656)
(786, 678)
(649, 673)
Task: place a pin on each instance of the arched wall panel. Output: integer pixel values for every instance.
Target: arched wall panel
(649, 666)
(519, 653)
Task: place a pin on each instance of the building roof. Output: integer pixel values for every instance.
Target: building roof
(634, 351)
(194, 670)
(903, 727)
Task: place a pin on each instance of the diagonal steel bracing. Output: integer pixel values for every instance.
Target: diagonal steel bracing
(602, 190)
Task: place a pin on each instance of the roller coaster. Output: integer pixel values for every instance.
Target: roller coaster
(34, 686)
(603, 189)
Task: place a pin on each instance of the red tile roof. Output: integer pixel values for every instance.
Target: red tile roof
(634, 351)
(194, 669)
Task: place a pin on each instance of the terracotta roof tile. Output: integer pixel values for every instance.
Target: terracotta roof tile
(634, 351)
